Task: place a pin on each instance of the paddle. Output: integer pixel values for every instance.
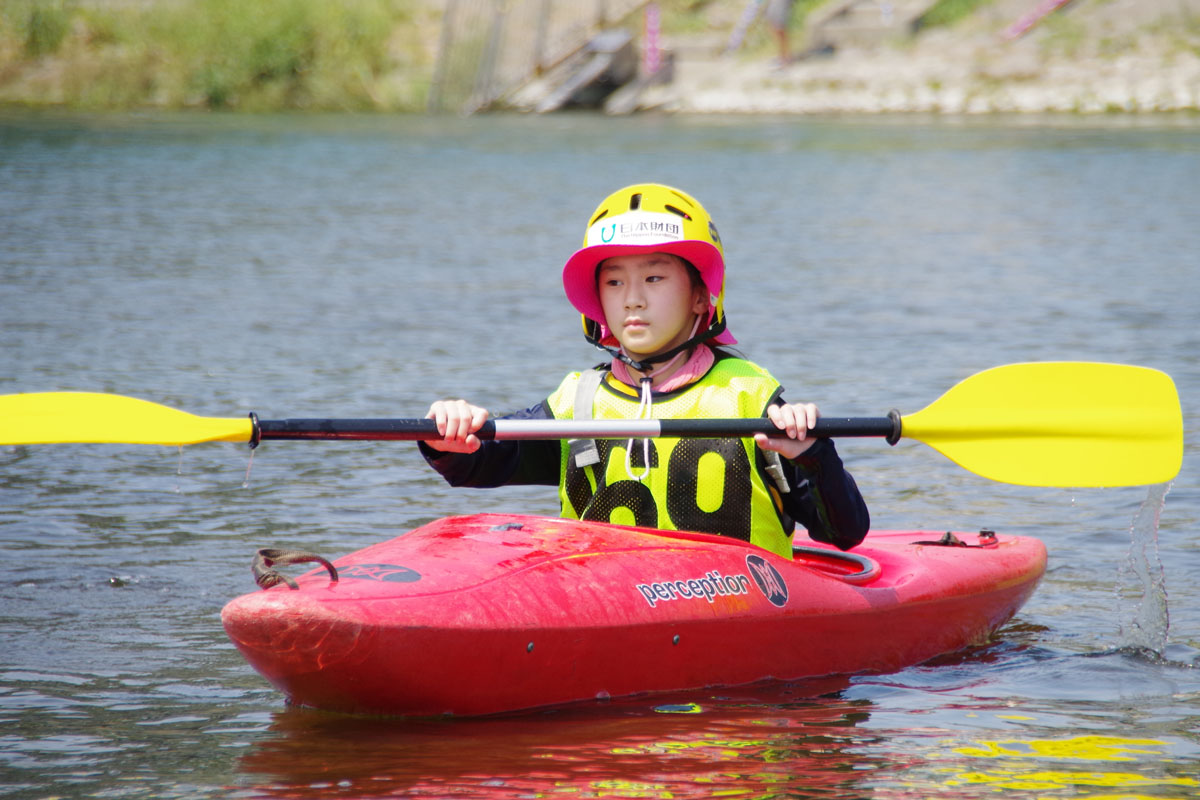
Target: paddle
(1038, 424)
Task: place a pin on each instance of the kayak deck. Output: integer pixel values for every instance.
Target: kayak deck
(494, 612)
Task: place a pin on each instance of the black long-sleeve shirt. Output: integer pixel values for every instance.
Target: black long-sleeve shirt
(823, 498)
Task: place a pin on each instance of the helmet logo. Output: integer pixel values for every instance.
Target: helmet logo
(712, 231)
(637, 227)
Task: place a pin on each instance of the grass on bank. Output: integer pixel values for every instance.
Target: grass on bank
(244, 54)
(693, 17)
(948, 12)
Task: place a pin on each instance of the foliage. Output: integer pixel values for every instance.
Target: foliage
(41, 26)
(948, 12)
(290, 53)
(248, 54)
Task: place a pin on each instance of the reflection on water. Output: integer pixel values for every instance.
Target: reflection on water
(361, 266)
(814, 739)
(1028, 765)
(780, 739)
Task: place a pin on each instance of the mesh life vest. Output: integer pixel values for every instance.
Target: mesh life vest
(709, 485)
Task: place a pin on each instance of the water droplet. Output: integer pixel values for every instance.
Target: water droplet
(249, 465)
(1141, 590)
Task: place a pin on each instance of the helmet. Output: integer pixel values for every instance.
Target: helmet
(648, 218)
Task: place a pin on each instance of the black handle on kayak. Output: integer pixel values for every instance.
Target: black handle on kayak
(425, 429)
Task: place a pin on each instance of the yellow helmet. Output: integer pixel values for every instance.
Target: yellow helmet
(648, 218)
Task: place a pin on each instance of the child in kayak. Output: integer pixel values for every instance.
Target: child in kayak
(650, 283)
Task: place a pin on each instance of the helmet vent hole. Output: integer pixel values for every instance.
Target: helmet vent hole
(635, 202)
(678, 211)
(598, 217)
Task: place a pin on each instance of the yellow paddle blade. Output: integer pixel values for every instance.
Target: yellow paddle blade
(60, 417)
(1066, 423)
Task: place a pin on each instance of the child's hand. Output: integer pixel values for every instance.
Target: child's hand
(457, 421)
(796, 419)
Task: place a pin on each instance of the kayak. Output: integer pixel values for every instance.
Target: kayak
(492, 613)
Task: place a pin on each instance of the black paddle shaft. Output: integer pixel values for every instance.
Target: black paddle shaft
(423, 429)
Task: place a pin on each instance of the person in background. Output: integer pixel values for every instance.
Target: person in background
(779, 17)
(649, 283)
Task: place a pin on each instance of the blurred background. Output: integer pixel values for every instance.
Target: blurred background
(946, 56)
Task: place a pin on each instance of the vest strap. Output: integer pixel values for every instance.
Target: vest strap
(775, 470)
(584, 451)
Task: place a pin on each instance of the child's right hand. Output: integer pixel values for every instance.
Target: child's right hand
(457, 421)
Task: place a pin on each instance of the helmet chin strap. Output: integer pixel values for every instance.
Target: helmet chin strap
(645, 394)
(664, 360)
(646, 365)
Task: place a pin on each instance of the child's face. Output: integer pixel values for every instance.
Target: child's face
(649, 301)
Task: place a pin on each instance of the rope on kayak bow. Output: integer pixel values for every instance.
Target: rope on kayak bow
(265, 560)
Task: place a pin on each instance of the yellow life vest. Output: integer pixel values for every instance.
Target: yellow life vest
(709, 485)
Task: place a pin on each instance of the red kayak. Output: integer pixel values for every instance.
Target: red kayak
(493, 612)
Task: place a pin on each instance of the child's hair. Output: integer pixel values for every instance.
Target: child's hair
(694, 275)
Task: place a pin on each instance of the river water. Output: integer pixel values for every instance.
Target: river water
(363, 266)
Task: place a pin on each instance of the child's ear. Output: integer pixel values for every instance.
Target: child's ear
(700, 301)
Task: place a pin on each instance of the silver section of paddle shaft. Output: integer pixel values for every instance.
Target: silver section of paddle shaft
(571, 429)
(626, 428)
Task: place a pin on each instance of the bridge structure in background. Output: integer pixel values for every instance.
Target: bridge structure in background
(490, 48)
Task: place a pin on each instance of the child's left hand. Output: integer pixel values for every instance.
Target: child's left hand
(795, 419)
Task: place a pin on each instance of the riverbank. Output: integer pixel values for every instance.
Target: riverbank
(1089, 56)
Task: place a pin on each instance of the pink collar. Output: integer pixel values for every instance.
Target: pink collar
(698, 363)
